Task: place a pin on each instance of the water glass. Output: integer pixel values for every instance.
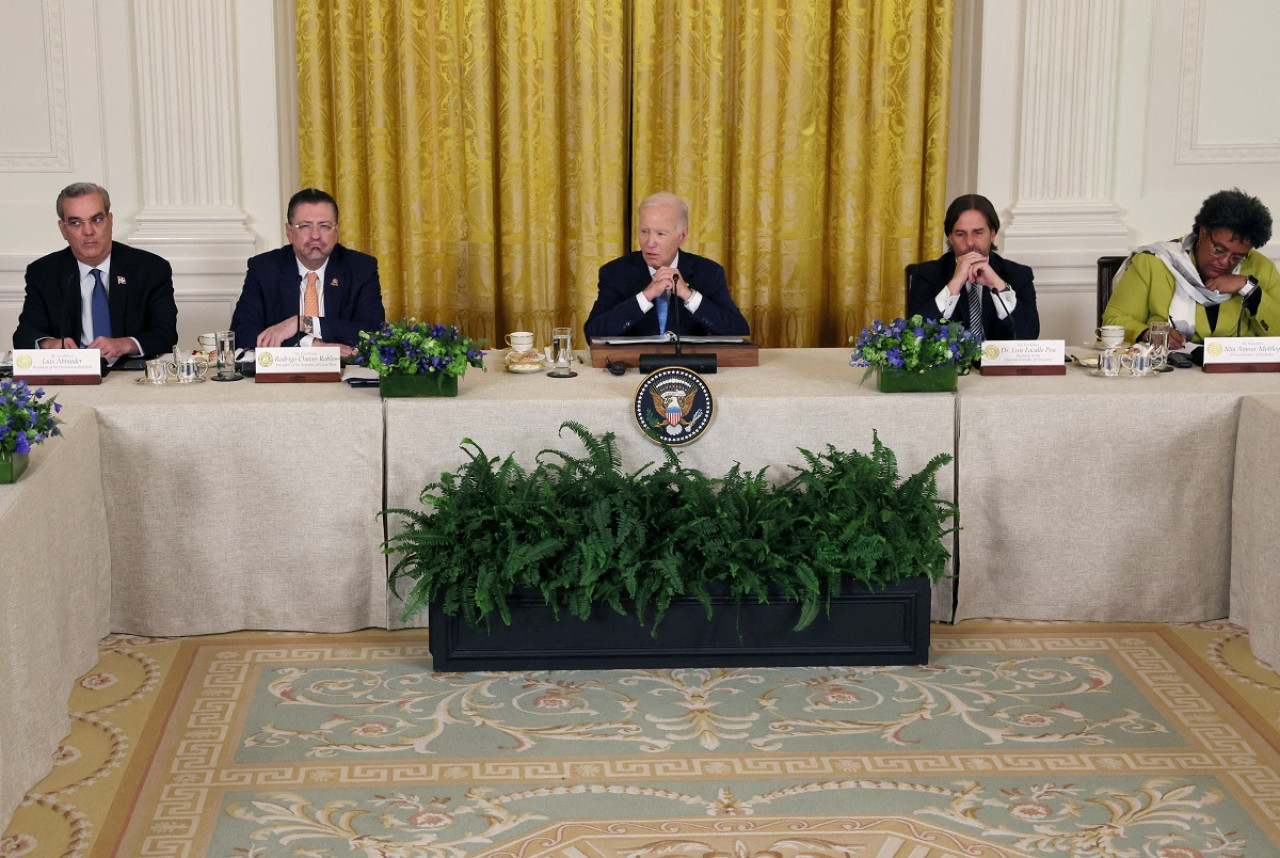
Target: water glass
(226, 355)
(562, 352)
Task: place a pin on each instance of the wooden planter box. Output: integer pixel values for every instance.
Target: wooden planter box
(889, 626)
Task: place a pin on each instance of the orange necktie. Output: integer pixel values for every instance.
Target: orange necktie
(311, 298)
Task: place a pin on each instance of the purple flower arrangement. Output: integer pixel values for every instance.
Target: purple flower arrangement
(24, 419)
(915, 345)
(410, 347)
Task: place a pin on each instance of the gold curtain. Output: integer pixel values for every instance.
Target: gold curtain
(491, 154)
(477, 148)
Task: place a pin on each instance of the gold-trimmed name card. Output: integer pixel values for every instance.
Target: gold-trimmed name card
(1242, 354)
(58, 366)
(1024, 357)
(321, 363)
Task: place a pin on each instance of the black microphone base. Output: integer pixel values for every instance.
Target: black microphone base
(702, 364)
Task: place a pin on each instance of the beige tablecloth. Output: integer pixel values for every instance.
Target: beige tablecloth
(54, 598)
(1255, 561)
(795, 398)
(1086, 498)
(241, 505)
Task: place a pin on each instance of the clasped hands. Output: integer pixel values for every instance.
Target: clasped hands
(279, 332)
(111, 347)
(973, 267)
(667, 280)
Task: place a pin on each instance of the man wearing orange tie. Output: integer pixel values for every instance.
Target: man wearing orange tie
(313, 292)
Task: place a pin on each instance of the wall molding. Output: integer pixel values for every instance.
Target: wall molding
(57, 158)
(1191, 150)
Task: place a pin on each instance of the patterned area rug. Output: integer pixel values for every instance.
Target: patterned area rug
(1017, 739)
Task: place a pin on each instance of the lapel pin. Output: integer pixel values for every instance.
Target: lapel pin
(119, 280)
(333, 282)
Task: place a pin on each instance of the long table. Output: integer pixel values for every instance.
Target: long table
(55, 591)
(804, 398)
(212, 507)
(1085, 498)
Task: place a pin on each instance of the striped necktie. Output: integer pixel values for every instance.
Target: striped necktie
(975, 310)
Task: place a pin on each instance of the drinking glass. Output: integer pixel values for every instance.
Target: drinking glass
(227, 357)
(562, 353)
(1158, 338)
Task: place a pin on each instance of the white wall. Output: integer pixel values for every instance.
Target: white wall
(93, 91)
(1181, 92)
(1188, 90)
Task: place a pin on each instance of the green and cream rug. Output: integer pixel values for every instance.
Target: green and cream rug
(1016, 739)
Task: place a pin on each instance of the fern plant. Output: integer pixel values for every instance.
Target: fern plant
(582, 531)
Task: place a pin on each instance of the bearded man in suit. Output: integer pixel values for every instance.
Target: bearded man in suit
(313, 291)
(97, 293)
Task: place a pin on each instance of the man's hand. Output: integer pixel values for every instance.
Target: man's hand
(344, 350)
(664, 280)
(980, 272)
(965, 266)
(1227, 284)
(64, 343)
(113, 347)
(278, 333)
(1176, 339)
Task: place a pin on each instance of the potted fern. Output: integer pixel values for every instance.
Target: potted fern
(576, 562)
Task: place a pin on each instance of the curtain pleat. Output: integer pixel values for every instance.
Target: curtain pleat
(490, 153)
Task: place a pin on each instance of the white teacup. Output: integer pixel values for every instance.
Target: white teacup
(1111, 335)
(520, 341)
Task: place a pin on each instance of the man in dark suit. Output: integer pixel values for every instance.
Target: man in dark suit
(972, 275)
(97, 293)
(312, 292)
(636, 291)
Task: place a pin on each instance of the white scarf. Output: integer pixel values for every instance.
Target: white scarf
(1179, 258)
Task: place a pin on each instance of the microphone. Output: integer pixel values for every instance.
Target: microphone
(1008, 314)
(705, 363)
(675, 305)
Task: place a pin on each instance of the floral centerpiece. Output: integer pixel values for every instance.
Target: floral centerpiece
(914, 354)
(414, 358)
(24, 421)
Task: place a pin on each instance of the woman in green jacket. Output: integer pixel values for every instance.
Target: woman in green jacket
(1212, 283)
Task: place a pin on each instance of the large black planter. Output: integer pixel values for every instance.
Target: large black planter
(889, 626)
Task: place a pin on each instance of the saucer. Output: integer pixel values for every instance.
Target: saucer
(526, 367)
(168, 380)
(1124, 373)
(1097, 346)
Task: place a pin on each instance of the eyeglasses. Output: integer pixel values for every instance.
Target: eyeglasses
(1217, 251)
(324, 226)
(79, 222)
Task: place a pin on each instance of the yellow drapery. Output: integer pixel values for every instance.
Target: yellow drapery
(491, 154)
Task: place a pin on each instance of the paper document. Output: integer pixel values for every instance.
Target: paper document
(668, 337)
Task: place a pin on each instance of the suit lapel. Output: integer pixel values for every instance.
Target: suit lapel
(118, 290)
(336, 277)
(70, 286)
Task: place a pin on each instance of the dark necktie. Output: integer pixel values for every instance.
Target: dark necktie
(975, 310)
(99, 306)
(662, 303)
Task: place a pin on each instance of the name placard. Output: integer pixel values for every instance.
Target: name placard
(322, 363)
(1024, 357)
(58, 366)
(1242, 354)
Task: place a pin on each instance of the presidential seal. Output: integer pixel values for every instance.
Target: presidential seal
(990, 351)
(265, 360)
(673, 406)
